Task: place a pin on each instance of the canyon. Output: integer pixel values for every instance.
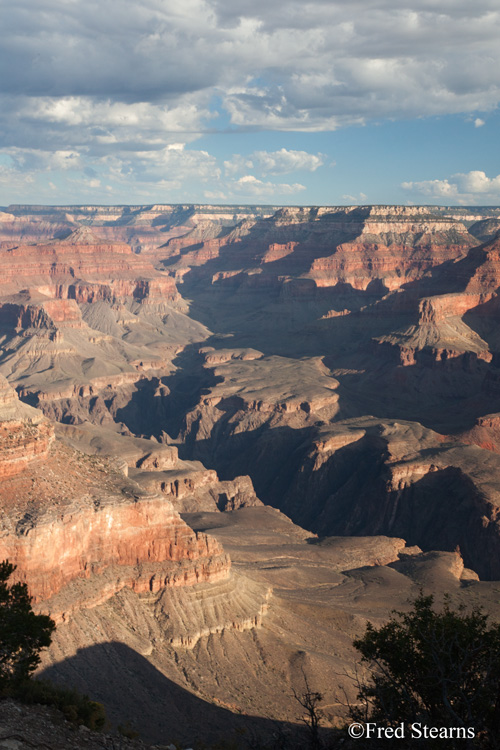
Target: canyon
(230, 436)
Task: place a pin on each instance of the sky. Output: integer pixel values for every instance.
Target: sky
(327, 102)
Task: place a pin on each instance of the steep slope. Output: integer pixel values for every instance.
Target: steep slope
(300, 324)
(86, 538)
(156, 467)
(330, 247)
(144, 228)
(75, 267)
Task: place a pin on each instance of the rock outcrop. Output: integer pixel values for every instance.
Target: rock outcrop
(82, 267)
(25, 437)
(157, 468)
(359, 476)
(332, 247)
(144, 228)
(68, 517)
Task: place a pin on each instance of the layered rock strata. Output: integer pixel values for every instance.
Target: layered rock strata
(25, 437)
(84, 268)
(356, 476)
(79, 317)
(157, 468)
(67, 516)
(331, 247)
(143, 227)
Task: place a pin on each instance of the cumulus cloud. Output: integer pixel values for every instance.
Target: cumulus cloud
(474, 187)
(251, 186)
(286, 65)
(355, 199)
(275, 162)
(478, 123)
(33, 159)
(151, 172)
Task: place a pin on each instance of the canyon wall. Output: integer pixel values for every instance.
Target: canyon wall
(67, 516)
(341, 364)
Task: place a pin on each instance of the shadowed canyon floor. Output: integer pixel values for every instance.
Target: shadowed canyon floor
(232, 436)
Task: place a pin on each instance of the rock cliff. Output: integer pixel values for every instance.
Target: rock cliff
(69, 517)
(82, 266)
(359, 476)
(79, 316)
(339, 246)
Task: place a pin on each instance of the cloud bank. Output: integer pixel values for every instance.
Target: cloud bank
(116, 79)
(473, 188)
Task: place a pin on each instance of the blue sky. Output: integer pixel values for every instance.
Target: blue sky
(232, 101)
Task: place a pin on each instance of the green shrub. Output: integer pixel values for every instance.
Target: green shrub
(22, 636)
(440, 669)
(77, 708)
(127, 730)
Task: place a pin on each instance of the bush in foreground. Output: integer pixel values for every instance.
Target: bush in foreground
(437, 669)
(77, 708)
(22, 633)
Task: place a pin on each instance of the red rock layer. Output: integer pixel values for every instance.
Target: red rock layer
(67, 516)
(88, 538)
(485, 433)
(44, 314)
(21, 445)
(84, 268)
(350, 246)
(360, 263)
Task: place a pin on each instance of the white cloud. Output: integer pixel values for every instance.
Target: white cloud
(356, 200)
(32, 159)
(155, 66)
(251, 186)
(275, 162)
(152, 172)
(475, 187)
(478, 123)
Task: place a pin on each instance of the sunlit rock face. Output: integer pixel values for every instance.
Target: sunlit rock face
(67, 516)
(83, 267)
(25, 437)
(83, 314)
(358, 247)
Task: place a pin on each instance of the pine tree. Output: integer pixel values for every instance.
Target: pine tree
(22, 632)
(441, 669)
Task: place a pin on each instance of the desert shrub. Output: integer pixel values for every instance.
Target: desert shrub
(23, 634)
(76, 707)
(127, 730)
